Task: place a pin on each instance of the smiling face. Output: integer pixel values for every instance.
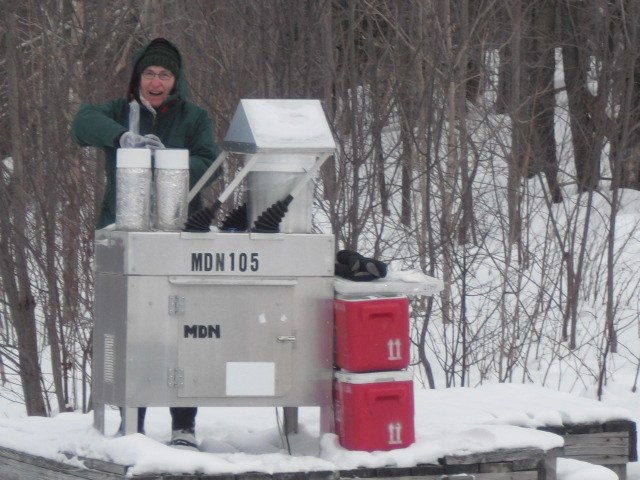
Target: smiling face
(156, 84)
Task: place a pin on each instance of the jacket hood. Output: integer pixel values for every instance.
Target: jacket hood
(179, 91)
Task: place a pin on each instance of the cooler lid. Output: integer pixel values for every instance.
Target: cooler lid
(368, 298)
(374, 377)
(279, 126)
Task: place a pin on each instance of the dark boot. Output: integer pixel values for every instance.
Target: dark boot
(183, 428)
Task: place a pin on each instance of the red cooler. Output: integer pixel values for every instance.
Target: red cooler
(372, 334)
(374, 411)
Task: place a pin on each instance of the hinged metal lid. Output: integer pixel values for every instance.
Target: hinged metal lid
(279, 126)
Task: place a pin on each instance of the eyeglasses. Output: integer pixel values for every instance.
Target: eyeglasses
(150, 75)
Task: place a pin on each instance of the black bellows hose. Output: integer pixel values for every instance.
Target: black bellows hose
(201, 220)
(236, 220)
(269, 220)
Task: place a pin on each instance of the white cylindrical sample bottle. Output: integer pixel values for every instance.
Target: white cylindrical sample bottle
(171, 189)
(133, 189)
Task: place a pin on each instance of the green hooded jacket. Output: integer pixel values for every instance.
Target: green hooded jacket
(178, 124)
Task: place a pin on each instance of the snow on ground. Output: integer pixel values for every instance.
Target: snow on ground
(455, 421)
(568, 469)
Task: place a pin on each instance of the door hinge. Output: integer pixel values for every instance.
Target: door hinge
(175, 377)
(176, 305)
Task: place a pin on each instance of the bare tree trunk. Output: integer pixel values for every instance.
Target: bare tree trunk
(408, 163)
(451, 168)
(519, 147)
(14, 239)
(542, 71)
(586, 140)
(626, 145)
(330, 190)
(460, 72)
(532, 66)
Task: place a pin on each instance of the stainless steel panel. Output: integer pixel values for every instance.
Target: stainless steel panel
(109, 342)
(212, 339)
(288, 326)
(241, 326)
(216, 254)
(279, 126)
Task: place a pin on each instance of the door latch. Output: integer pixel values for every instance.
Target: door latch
(287, 339)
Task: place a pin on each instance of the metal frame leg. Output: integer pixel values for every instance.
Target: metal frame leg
(129, 420)
(290, 419)
(327, 424)
(98, 416)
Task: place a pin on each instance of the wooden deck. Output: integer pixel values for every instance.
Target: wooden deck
(16, 465)
(611, 444)
(520, 464)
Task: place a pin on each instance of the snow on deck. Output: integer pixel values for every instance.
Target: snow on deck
(449, 422)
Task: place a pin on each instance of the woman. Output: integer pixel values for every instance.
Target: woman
(167, 119)
(158, 89)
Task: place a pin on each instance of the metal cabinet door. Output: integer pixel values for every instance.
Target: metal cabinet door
(235, 336)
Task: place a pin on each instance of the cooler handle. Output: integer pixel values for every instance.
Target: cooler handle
(387, 310)
(385, 393)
